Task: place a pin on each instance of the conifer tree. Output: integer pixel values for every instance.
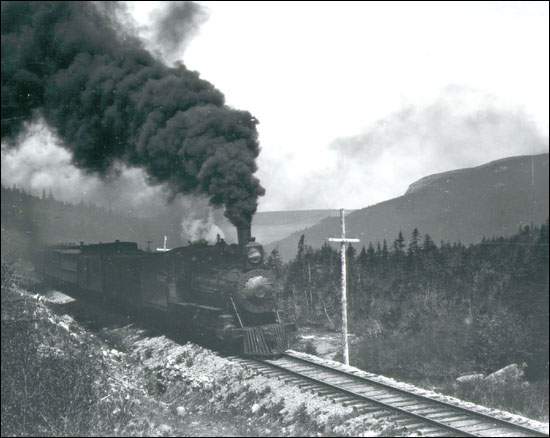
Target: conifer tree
(414, 244)
(370, 252)
(274, 262)
(399, 244)
(301, 247)
(362, 257)
(385, 251)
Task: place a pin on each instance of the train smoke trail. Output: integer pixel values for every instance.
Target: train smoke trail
(110, 102)
(175, 24)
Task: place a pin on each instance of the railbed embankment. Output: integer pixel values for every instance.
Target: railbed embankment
(121, 381)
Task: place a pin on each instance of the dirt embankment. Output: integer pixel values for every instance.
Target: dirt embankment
(61, 379)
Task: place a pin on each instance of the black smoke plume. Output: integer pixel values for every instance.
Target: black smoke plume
(110, 101)
(176, 23)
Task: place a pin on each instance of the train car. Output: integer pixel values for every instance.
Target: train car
(219, 291)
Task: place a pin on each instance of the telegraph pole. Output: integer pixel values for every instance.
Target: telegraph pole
(343, 240)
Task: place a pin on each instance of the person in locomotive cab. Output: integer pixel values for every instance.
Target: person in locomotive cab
(220, 241)
(254, 253)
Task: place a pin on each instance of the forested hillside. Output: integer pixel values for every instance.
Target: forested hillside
(426, 310)
(462, 205)
(43, 218)
(29, 219)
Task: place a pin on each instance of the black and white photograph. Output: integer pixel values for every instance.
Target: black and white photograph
(275, 218)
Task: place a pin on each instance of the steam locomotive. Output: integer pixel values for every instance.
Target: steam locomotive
(220, 291)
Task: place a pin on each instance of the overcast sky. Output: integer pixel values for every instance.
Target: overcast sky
(358, 100)
(318, 75)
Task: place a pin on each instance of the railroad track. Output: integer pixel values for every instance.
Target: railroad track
(406, 408)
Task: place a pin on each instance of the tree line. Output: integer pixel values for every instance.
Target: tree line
(413, 304)
(31, 220)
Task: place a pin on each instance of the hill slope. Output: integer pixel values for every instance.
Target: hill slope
(50, 221)
(270, 226)
(461, 205)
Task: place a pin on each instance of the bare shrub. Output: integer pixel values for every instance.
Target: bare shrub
(54, 384)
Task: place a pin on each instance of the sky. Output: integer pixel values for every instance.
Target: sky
(357, 100)
(321, 74)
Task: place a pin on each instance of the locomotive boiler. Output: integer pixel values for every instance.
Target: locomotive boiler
(220, 291)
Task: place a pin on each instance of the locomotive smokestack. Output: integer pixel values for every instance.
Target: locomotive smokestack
(244, 234)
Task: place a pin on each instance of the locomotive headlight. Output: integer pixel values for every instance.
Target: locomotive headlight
(254, 256)
(258, 286)
(256, 290)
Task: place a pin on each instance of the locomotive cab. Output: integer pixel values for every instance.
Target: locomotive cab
(254, 254)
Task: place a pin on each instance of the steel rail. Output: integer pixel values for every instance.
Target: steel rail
(366, 399)
(426, 398)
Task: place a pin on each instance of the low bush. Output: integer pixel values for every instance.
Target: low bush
(57, 382)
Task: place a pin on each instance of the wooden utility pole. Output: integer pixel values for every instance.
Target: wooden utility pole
(343, 240)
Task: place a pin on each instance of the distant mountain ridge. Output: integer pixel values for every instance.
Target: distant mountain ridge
(460, 205)
(270, 226)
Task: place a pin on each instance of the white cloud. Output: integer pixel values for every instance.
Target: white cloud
(316, 71)
(461, 128)
(39, 162)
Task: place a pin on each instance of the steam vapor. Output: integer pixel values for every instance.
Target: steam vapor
(199, 222)
(112, 104)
